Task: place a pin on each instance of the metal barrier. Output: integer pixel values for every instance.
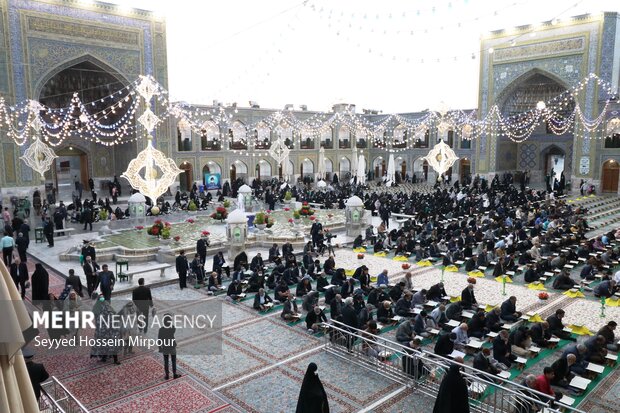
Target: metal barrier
(55, 398)
(424, 371)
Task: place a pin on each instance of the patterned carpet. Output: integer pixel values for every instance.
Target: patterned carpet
(263, 359)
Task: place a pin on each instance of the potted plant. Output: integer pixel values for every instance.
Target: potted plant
(226, 203)
(406, 266)
(543, 296)
(220, 214)
(306, 210)
(165, 233)
(177, 238)
(287, 197)
(192, 207)
(103, 214)
(260, 220)
(296, 216)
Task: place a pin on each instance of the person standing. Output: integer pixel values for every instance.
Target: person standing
(36, 372)
(169, 345)
(312, 395)
(75, 283)
(90, 271)
(40, 284)
(201, 249)
(143, 299)
(106, 282)
(88, 248)
(59, 220)
(87, 216)
(6, 217)
(453, 396)
(22, 246)
(19, 274)
(181, 267)
(7, 248)
(48, 230)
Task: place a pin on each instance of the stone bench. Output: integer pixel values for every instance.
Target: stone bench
(160, 267)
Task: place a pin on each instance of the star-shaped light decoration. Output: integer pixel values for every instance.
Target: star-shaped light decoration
(278, 150)
(148, 119)
(441, 157)
(147, 87)
(39, 157)
(613, 126)
(148, 183)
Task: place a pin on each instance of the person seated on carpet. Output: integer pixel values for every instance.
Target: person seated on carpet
(596, 349)
(234, 291)
(408, 281)
(419, 299)
(502, 349)
(485, 362)
(274, 252)
(303, 287)
(476, 326)
(461, 336)
(292, 274)
(445, 344)
(403, 305)
(563, 281)
(439, 315)
(376, 296)
(314, 319)
(358, 242)
(543, 382)
(385, 314)
(556, 326)
(257, 262)
(281, 292)
(335, 308)
(383, 279)
(241, 262)
(579, 351)
(607, 331)
(348, 288)
(339, 277)
(493, 320)
(397, 291)
(470, 264)
(531, 274)
(378, 247)
(521, 341)
(369, 344)
(309, 301)
(588, 271)
(214, 282)
(454, 311)
(256, 282)
(561, 369)
(468, 299)
(420, 325)
(436, 292)
(290, 311)
(405, 332)
(321, 282)
(509, 310)
(261, 299)
(540, 334)
(606, 289)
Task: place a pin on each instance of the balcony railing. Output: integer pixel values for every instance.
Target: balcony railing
(56, 398)
(424, 371)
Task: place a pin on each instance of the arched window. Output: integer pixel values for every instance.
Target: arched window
(361, 139)
(307, 140)
(344, 137)
(237, 136)
(307, 167)
(210, 137)
(286, 132)
(379, 138)
(262, 136)
(184, 136)
(327, 138)
(400, 137)
(264, 169)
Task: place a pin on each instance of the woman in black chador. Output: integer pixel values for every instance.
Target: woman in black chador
(452, 396)
(312, 396)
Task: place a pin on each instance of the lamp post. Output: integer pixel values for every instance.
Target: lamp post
(602, 307)
(504, 284)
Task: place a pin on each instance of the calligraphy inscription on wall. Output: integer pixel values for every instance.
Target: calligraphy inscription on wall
(66, 28)
(546, 49)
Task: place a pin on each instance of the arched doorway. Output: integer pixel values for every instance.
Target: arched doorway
(464, 168)
(553, 159)
(403, 166)
(307, 168)
(186, 177)
(69, 167)
(264, 169)
(611, 172)
(345, 166)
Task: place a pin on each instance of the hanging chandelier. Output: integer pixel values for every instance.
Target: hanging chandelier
(150, 159)
(279, 151)
(441, 158)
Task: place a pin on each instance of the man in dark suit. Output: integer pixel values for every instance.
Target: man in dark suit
(201, 249)
(260, 299)
(90, 270)
(289, 311)
(349, 317)
(142, 298)
(19, 274)
(36, 371)
(106, 282)
(75, 283)
(88, 249)
(181, 267)
(468, 299)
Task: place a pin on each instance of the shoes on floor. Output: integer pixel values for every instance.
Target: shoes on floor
(176, 376)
